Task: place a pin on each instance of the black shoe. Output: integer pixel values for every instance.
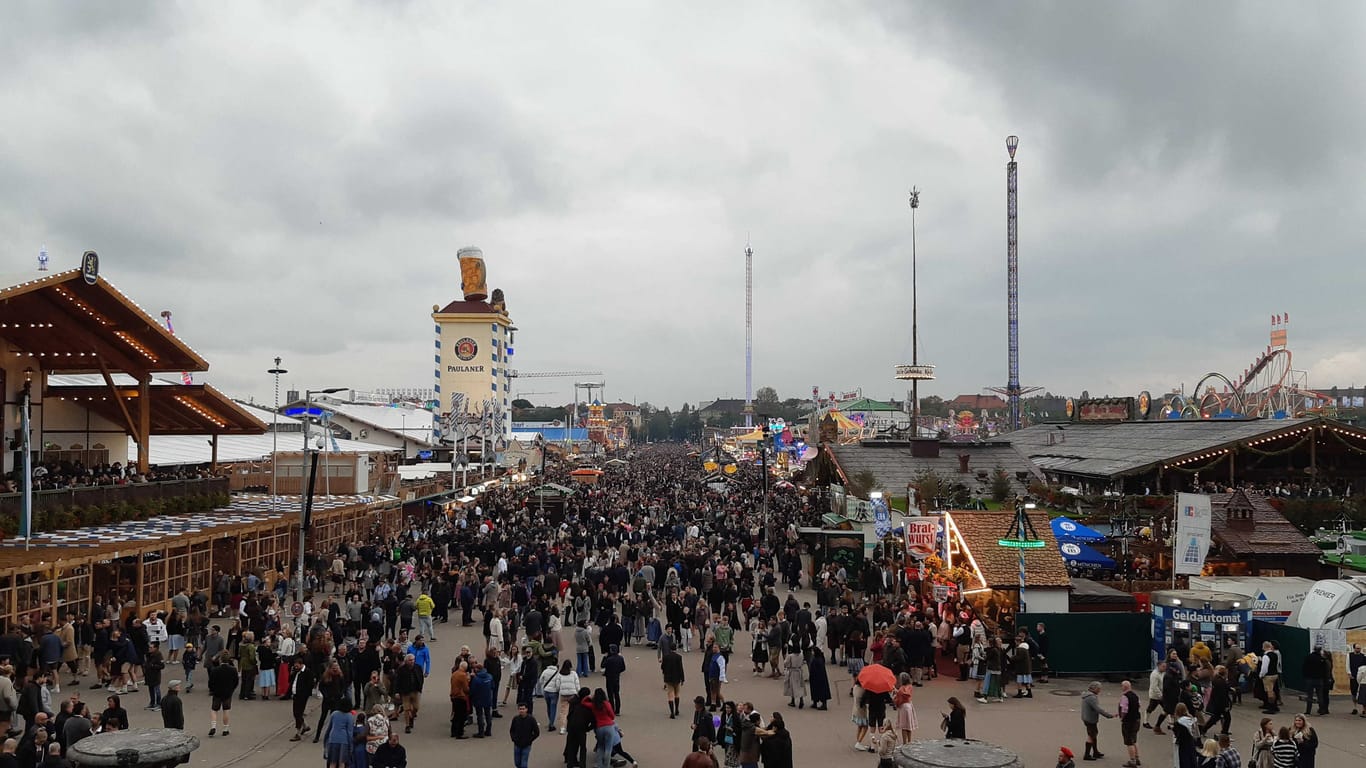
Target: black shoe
(497, 714)
(1098, 754)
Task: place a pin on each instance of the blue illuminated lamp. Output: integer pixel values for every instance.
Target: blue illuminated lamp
(300, 410)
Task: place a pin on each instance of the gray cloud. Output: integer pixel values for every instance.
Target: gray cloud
(296, 181)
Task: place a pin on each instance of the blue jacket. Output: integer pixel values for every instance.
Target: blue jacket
(481, 689)
(339, 727)
(422, 657)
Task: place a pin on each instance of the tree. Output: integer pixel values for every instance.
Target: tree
(929, 488)
(660, 423)
(933, 405)
(766, 395)
(861, 483)
(1000, 485)
(522, 403)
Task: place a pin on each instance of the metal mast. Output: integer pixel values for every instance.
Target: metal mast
(915, 372)
(915, 321)
(1012, 287)
(749, 337)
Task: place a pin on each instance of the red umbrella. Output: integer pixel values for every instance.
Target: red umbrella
(876, 678)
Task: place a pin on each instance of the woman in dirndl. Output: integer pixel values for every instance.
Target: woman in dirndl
(905, 710)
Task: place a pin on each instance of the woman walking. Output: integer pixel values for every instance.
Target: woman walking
(859, 717)
(817, 680)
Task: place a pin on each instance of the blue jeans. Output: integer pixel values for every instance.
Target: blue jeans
(552, 701)
(484, 720)
(607, 738)
(521, 756)
(583, 665)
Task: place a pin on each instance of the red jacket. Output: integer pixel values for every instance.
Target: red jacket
(604, 716)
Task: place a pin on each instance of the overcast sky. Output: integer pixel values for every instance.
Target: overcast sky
(294, 180)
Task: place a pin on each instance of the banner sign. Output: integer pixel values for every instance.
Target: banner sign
(920, 536)
(882, 517)
(1192, 533)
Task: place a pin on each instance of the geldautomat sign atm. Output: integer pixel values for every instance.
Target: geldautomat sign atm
(1183, 617)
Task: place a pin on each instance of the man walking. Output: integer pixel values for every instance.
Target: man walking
(1270, 673)
(301, 690)
(172, 708)
(714, 673)
(672, 667)
(425, 607)
(1129, 719)
(612, 667)
(524, 730)
(408, 685)
(222, 685)
(1091, 713)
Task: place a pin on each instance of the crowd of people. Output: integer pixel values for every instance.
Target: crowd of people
(655, 556)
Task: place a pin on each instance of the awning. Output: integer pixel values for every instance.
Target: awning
(66, 323)
(1081, 556)
(1067, 529)
(176, 409)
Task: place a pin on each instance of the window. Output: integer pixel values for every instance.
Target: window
(494, 326)
(495, 386)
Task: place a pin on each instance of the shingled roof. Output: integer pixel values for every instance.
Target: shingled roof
(1271, 533)
(1000, 566)
(1109, 449)
(894, 467)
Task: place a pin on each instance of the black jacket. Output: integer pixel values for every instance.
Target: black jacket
(523, 730)
(172, 711)
(672, 667)
(389, 756)
(223, 680)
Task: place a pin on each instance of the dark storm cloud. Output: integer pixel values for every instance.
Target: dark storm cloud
(1269, 89)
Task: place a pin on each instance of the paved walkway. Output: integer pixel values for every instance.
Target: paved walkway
(1034, 728)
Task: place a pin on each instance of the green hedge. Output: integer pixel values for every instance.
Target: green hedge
(81, 517)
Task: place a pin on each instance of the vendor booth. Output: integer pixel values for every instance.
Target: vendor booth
(1183, 617)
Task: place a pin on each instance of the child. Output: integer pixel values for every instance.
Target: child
(884, 744)
(1065, 758)
(686, 631)
(189, 659)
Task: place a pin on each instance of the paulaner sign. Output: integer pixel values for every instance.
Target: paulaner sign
(464, 369)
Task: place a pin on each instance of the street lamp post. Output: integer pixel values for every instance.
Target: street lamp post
(277, 371)
(304, 500)
(763, 461)
(28, 458)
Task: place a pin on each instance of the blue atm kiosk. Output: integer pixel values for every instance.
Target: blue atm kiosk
(1183, 616)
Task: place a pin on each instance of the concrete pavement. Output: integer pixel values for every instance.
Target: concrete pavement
(1032, 727)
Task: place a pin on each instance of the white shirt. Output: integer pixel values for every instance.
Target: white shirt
(156, 630)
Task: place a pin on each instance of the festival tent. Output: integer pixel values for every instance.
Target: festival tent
(1066, 529)
(1080, 555)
